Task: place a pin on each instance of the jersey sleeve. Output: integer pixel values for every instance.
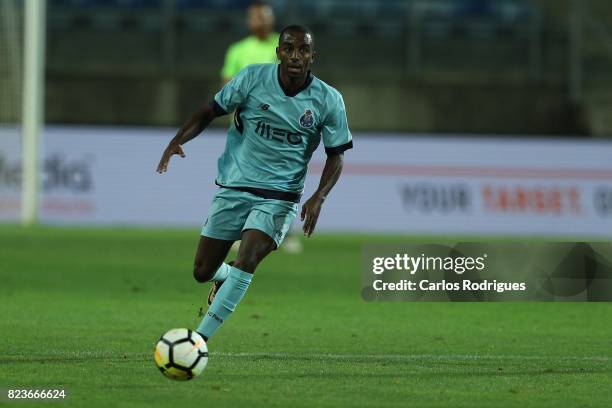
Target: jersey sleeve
(234, 93)
(335, 133)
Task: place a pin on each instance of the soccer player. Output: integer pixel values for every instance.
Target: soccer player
(258, 48)
(282, 111)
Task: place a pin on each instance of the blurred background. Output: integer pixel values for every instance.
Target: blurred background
(437, 94)
(468, 66)
(472, 120)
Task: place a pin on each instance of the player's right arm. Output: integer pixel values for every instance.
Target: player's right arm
(193, 127)
(224, 102)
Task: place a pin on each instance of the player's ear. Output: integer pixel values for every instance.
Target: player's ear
(312, 56)
(277, 53)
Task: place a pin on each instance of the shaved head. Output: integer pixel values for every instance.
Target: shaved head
(296, 29)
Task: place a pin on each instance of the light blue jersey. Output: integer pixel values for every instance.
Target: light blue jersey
(274, 134)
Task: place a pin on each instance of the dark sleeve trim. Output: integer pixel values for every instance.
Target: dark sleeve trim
(219, 111)
(338, 149)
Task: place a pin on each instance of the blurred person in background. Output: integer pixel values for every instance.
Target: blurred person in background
(257, 48)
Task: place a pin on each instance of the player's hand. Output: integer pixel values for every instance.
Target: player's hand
(171, 150)
(310, 213)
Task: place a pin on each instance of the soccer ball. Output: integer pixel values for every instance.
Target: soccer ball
(181, 354)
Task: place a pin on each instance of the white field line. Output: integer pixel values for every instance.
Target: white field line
(107, 354)
(411, 356)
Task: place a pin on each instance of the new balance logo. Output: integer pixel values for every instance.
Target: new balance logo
(214, 316)
(264, 106)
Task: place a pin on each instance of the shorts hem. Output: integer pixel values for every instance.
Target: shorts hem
(222, 237)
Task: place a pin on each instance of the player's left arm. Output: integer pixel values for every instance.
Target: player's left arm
(337, 139)
(312, 207)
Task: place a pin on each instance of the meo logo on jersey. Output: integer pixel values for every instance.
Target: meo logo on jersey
(307, 120)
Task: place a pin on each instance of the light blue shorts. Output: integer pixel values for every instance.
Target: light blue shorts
(233, 211)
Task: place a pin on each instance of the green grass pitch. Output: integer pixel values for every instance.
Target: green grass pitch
(82, 308)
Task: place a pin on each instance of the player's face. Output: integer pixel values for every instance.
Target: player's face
(295, 52)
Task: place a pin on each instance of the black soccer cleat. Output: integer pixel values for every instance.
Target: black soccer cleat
(213, 291)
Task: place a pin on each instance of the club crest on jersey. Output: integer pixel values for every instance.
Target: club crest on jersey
(307, 120)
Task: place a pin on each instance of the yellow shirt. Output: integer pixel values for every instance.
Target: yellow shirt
(250, 50)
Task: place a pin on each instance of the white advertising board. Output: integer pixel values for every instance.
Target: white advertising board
(394, 184)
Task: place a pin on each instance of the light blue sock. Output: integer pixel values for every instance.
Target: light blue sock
(231, 293)
(221, 273)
